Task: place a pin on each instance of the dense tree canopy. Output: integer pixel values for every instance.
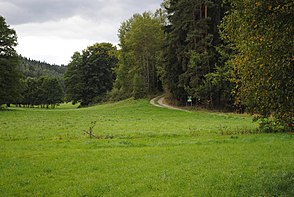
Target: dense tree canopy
(190, 49)
(36, 69)
(43, 91)
(141, 40)
(262, 32)
(9, 71)
(90, 74)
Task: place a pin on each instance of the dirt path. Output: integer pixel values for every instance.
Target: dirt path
(160, 102)
(154, 101)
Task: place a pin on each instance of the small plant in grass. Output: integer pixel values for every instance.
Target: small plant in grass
(89, 132)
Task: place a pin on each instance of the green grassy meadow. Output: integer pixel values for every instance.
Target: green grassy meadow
(142, 150)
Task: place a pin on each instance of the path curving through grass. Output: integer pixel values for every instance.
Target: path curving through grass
(160, 102)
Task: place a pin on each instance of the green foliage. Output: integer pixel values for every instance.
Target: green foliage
(218, 84)
(139, 89)
(9, 72)
(54, 93)
(42, 91)
(269, 125)
(73, 78)
(35, 69)
(52, 76)
(190, 49)
(8, 39)
(141, 41)
(90, 74)
(263, 34)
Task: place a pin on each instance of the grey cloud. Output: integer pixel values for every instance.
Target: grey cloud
(51, 30)
(30, 11)
(38, 11)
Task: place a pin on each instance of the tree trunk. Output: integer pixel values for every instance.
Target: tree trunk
(200, 9)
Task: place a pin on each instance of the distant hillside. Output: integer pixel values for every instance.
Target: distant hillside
(35, 69)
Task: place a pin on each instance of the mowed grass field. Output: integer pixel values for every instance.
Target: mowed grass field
(141, 151)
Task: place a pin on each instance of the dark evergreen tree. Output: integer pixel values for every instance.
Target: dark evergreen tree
(73, 79)
(36, 69)
(10, 84)
(190, 49)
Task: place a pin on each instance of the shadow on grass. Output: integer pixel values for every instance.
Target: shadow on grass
(280, 185)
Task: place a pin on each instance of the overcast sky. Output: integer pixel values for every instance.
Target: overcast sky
(52, 30)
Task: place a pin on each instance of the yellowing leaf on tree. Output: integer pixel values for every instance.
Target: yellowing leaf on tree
(258, 3)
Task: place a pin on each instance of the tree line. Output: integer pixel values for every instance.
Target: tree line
(43, 83)
(27, 82)
(234, 53)
(230, 54)
(36, 69)
(43, 91)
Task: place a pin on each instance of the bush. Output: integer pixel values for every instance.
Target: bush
(272, 125)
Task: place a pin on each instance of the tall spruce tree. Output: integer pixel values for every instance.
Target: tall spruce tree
(9, 72)
(73, 79)
(190, 52)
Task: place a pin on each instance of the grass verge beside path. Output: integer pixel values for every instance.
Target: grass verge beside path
(151, 152)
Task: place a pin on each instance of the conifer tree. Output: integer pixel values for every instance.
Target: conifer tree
(190, 52)
(10, 84)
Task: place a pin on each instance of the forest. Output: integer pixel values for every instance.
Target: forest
(224, 54)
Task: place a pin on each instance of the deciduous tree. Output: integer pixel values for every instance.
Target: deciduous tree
(141, 39)
(262, 32)
(90, 74)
